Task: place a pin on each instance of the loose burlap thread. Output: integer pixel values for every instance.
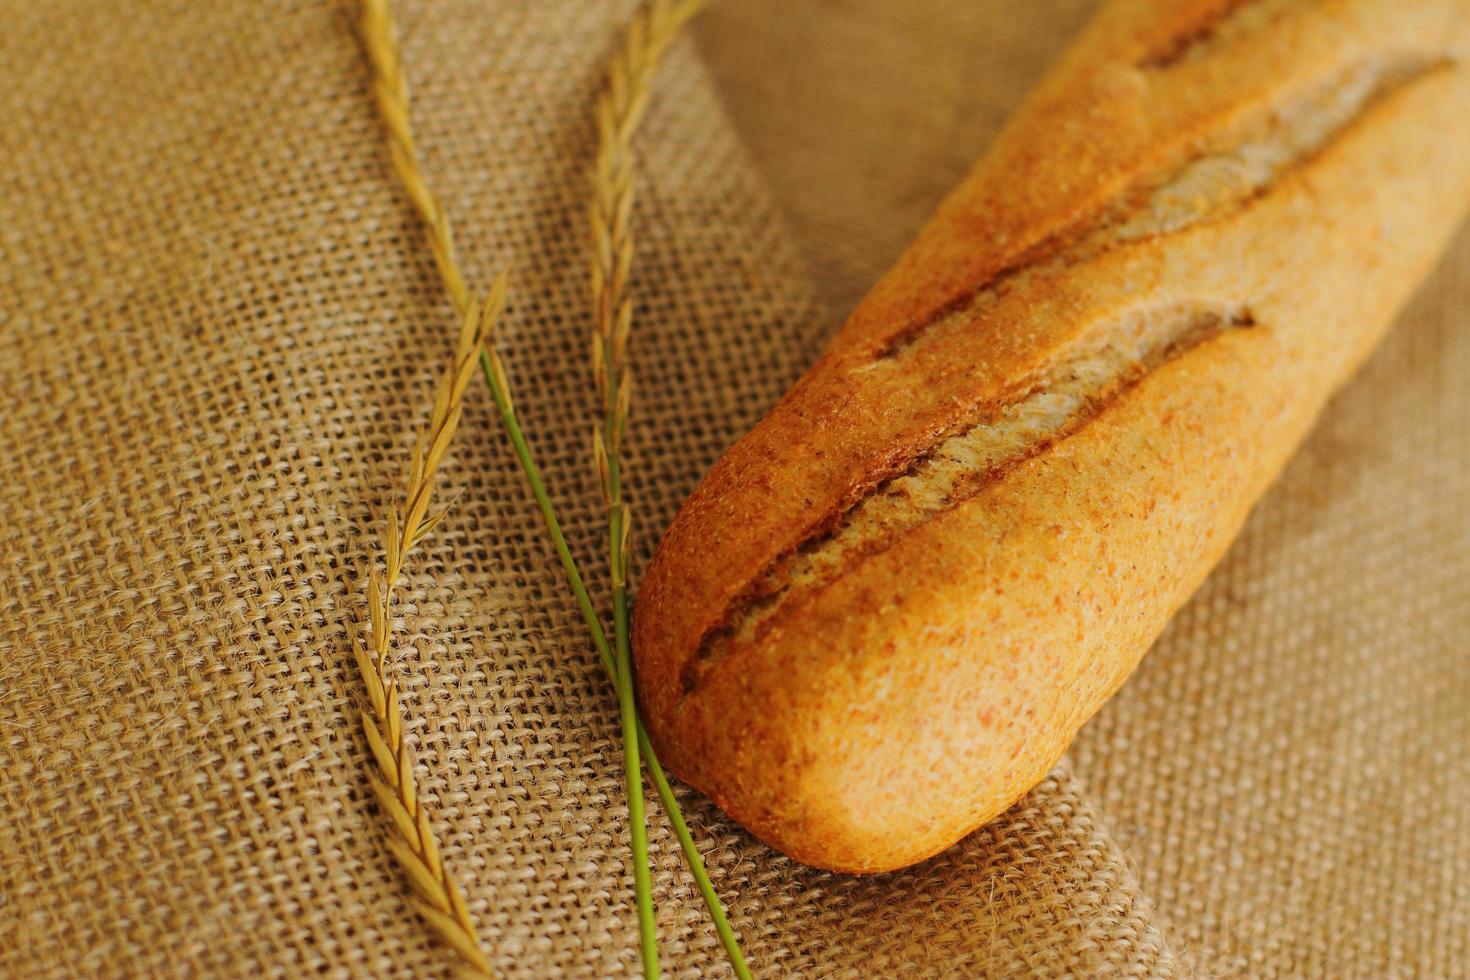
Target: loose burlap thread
(222, 331)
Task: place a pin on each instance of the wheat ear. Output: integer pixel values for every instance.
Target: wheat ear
(391, 92)
(390, 89)
(619, 110)
(412, 840)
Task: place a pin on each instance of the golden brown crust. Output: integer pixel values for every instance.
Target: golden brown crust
(867, 714)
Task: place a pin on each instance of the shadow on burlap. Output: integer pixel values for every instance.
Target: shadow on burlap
(222, 332)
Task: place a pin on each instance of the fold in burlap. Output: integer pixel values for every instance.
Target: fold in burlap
(222, 330)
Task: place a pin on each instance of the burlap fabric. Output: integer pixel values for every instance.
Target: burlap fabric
(221, 332)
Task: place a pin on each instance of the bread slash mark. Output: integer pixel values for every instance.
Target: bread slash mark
(1223, 178)
(1094, 369)
(1112, 357)
(1229, 21)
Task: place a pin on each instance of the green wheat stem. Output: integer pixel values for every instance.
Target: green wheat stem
(623, 677)
(620, 109)
(642, 880)
(622, 674)
(604, 651)
(646, 41)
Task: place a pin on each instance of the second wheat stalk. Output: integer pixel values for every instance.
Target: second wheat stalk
(619, 111)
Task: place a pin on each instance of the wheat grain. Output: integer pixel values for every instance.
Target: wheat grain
(390, 89)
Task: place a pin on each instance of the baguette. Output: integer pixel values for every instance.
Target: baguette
(887, 610)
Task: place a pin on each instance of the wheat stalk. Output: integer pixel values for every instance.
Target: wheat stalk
(412, 840)
(620, 108)
(412, 843)
(390, 89)
(391, 92)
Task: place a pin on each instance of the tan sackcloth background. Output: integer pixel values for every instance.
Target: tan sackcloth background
(220, 333)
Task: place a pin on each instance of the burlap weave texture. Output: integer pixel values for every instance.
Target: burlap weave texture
(221, 331)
